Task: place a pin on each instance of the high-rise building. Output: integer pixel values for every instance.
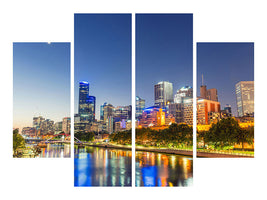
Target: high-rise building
(91, 107)
(163, 94)
(83, 100)
(86, 103)
(37, 122)
(46, 126)
(212, 94)
(186, 91)
(140, 106)
(207, 110)
(108, 111)
(66, 125)
(182, 112)
(245, 98)
(102, 111)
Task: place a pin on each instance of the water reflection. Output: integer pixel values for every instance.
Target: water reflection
(95, 166)
(156, 169)
(55, 151)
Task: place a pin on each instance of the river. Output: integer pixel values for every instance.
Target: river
(54, 151)
(97, 166)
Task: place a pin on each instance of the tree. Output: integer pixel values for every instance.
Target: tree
(246, 135)
(224, 133)
(18, 142)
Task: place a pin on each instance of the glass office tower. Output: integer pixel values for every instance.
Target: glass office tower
(163, 93)
(245, 98)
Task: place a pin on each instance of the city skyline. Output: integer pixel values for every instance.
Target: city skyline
(164, 52)
(102, 57)
(223, 65)
(41, 82)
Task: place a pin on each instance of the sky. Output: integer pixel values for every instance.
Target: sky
(41, 82)
(102, 56)
(223, 65)
(164, 52)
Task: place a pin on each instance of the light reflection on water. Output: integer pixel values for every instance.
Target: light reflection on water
(55, 151)
(95, 166)
(157, 169)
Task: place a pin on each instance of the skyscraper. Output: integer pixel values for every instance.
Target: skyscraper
(245, 98)
(163, 93)
(83, 100)
(140, 106)
(102, 111)
(108, 111)
(86, 103)
(91, 107)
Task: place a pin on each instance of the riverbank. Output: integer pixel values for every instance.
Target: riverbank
(138, 148)
(221, 155)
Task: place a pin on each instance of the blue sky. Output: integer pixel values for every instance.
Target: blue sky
(41, 82)
(223, 65)
(102, 56)
(164, 52)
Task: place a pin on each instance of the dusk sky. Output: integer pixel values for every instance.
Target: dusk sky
(164, 52)
(102, 56)
(41, 82)
(223, 65)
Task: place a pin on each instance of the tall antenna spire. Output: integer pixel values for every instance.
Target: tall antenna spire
(202, 80)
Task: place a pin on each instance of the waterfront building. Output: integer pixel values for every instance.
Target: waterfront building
(66, 125)
(29, 131)
(150, 117)
(204, 107)
(140, 106)
(163, 94)
(245, 98)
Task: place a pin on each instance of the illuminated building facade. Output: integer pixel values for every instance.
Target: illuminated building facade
(160, 117)
(83, 100)
(245, 98)
(163, 93)
(204, 107)
(149, 117)
(140, 106)
(91, 101)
